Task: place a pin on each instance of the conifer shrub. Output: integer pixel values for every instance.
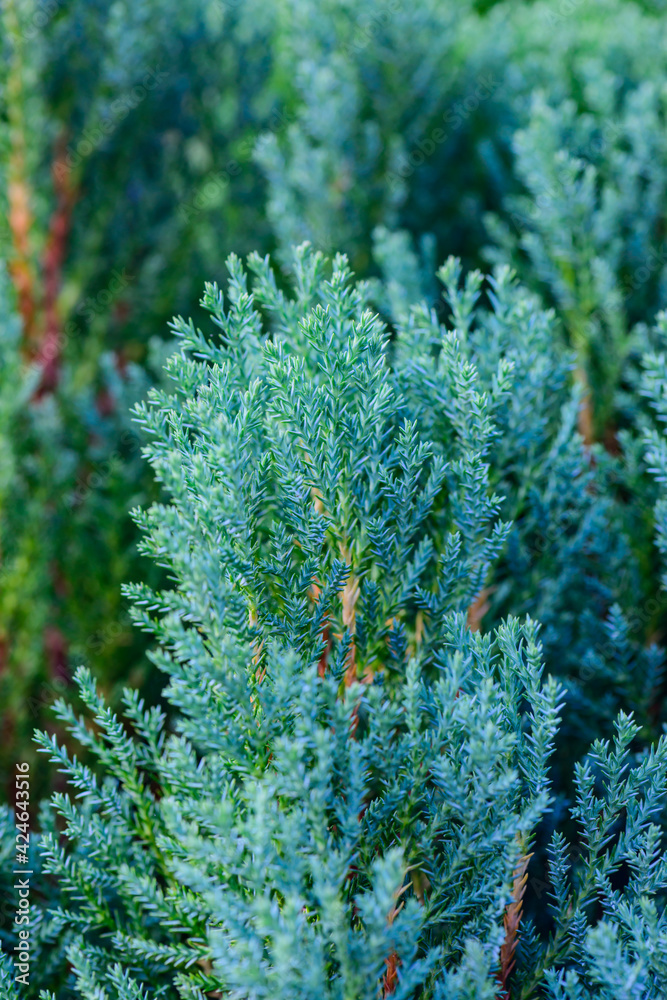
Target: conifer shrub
(404, 567)
(578, 555)
(117, 164)
(528, 134)
(139, 142)
(354, 796)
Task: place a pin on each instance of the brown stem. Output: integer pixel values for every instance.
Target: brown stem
(393, 963)
(478, 609)
(38, 308)
(585, 418)
(20, 268)
(511, 921)
(19, 195)
(391, 975)
(349, 598)
(54, 256)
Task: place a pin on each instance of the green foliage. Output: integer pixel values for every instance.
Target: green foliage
(391, 535)
(549, 114)
(352, 775)
(573, 558)
(141, 142)
(114, 159)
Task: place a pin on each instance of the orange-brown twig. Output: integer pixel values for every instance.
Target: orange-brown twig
(585, 422)
(349, 597)
(478, 609)
(390, 981)
(512, 921)
(20, 217)
(20, 267)
(54, 255)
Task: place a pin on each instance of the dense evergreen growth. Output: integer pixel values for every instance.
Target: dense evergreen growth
(140, 143)
(400, 544)
(356, 779)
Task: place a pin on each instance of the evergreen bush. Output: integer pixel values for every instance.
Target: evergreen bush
(142, 141)
(117, 163)
(403, 557)
(355, 794)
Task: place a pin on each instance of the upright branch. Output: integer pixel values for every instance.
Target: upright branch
(54, 256)
(512, 920)
(19, 194)
(37, 288)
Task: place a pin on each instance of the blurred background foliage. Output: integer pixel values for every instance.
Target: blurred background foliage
(141, 142)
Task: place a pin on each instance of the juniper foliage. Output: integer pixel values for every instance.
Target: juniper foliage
(482, 457)
(435, 115)
(576, 548)
(116, 164)
(347, 800)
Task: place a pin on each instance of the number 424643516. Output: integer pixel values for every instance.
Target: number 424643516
(22, 817)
